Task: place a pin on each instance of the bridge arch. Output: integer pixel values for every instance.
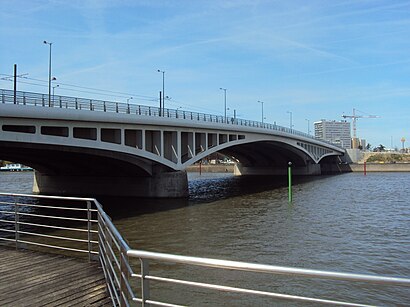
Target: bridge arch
(135, 143)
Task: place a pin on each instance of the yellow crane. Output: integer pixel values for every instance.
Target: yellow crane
(354, 118)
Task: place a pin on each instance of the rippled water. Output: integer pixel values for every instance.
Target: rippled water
(350, 223)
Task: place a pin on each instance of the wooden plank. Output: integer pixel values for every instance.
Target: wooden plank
(36, 275)
(34, 279)
(37, 281)
(73, 289)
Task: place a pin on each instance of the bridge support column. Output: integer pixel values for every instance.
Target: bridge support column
(162, 185)
(309, 169)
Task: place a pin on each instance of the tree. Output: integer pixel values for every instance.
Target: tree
(380, 148)
(368, 146)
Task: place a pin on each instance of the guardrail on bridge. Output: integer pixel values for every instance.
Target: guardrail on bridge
(66, 102)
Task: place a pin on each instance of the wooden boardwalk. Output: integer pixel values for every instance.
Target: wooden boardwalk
(30, 278)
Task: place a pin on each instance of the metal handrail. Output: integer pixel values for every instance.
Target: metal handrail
(67, 102)
(17, 212)
(262, 268)
(122, 273)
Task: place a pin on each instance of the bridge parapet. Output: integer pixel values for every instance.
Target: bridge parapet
(66, 102)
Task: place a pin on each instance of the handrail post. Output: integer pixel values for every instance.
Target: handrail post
(89, 228)
(144, 282)
(124, 277)
(16, 224)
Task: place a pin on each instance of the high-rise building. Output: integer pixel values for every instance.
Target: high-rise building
(335, 132)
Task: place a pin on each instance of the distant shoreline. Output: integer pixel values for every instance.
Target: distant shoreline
(354, 167)
(380, 167)
(211, 168)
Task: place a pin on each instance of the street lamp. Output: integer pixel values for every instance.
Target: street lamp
(224, 89)
(54, 87)
(308, 127)
(163, 89)
(261, 102)
(290, 114)
(49, 74)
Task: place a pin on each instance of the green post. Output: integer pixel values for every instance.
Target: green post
(290, 180)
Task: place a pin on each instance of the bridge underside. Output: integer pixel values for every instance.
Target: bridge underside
(270, 158)
(79, 171)
(65, 170)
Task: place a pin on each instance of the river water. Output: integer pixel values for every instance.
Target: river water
(348, 223)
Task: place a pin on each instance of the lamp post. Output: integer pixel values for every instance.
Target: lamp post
(54, 87)
(290, 116)
(261, 102)
(49, 74)
(308, 126)
(224, 89)
(163, 89)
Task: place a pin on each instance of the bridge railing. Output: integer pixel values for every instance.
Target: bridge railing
(131, 274)
(66, 102)
(36, 221)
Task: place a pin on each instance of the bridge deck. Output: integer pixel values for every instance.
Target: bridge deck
(35, 279)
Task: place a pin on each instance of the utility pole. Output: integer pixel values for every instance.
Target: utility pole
(49, 73)
(224, 89)
(261, 102)
(15, 84)
(163, 90)
(160, 103)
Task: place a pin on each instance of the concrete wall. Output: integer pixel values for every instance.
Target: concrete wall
(381, 167)
(163, 185)
(353, 155)
(309, 169)
(219, 168)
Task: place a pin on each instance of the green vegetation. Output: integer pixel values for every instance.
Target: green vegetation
(388, 158)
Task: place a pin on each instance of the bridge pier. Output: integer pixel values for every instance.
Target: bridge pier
(308, 170)
(162, 185)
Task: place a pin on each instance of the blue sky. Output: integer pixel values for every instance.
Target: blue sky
(317, 59)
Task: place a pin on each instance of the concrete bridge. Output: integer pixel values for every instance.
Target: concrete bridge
(91, 147)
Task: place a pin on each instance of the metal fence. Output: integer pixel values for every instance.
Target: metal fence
(37, 221)
(127, 270)
(65, 102)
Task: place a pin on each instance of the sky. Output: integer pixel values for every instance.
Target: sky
(316, 59)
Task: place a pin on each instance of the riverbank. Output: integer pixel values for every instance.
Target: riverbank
(354, 167)
(211, 168)
(380, 167)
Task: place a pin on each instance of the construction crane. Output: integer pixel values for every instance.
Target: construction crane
(354, 118)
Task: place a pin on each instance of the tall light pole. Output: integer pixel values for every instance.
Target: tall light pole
(49, 74)
(54, 87)
(261, 102)
(224, 89)
(163, 89)
(308, 127)
(290, 115)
